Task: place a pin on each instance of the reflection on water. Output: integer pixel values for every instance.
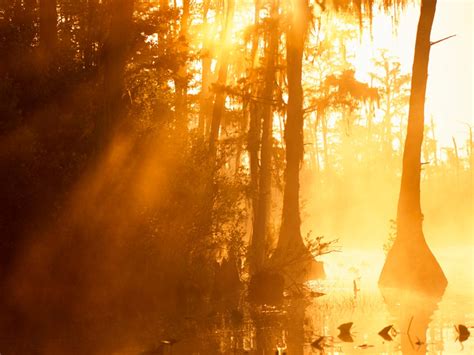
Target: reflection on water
(320, 324)
(419, 325)
(315, 322)
(413, 314)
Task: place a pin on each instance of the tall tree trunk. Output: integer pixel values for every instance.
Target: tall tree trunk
(262, 217)
(89, 50)
(253, 146)
(206, 76)
(410, 263)
(255, 124)
(181, 81)
(114, 60)
(317, 163)
(28, 18)
(290, 243)
(219, 101)
(48, 30)
(204, 106)
(248, 105)
(218, 110)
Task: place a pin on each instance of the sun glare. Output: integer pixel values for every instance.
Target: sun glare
(236, 176)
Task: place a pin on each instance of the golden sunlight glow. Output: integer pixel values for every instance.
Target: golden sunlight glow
(450, 85)
(236, 176)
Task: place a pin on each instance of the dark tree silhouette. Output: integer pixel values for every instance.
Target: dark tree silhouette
(290, 243)
(114, 56)
(410, 263)
(220, 96)
(263, 208)
(48, 30)
(181, 81)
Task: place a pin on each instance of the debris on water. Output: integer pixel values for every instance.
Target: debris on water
(365, 346)
(345, 332)
(347, 338)
(388, 333)
(419, 342)
(318, 343)
(345, 327)
(463, 332)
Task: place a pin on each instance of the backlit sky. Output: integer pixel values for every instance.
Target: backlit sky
(450, 83)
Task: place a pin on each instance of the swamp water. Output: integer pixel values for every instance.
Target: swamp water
(349, 294)
(420, 325)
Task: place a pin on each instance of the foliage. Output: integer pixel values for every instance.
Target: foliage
(146, 217)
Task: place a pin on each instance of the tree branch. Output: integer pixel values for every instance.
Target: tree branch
(441, 40)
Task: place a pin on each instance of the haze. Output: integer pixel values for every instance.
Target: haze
(236, 177)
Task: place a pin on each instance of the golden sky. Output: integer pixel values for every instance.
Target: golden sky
(450, 83)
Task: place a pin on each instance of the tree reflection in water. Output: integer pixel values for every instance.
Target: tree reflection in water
(413, 312)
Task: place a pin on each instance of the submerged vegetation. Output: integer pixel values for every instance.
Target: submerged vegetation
(161, 163)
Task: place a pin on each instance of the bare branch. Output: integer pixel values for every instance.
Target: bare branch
(441, 40)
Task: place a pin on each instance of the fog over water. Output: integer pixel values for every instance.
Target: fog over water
(236, 177)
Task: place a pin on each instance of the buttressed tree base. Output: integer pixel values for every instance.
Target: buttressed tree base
(221, 177)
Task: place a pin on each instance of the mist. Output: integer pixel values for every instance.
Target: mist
(231, 178)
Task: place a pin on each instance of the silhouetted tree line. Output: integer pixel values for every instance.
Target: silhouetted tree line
(140, 166)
